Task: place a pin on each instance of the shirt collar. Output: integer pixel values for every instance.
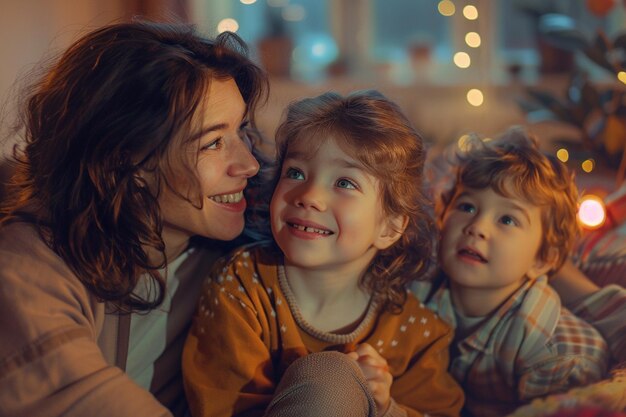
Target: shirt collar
(530, 300)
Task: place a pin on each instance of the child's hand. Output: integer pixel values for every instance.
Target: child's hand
(376, 372)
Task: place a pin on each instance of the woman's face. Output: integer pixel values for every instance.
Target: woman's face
(224, 164)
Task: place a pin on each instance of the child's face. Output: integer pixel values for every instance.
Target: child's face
(325, 210)
(489, 241)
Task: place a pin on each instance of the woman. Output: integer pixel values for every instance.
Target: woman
(135, 142)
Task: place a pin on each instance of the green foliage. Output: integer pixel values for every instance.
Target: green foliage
(597, 110)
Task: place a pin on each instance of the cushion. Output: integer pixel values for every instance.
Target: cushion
(604, 398)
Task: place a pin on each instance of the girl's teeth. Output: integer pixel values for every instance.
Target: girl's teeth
(311, 229)
(228, 198)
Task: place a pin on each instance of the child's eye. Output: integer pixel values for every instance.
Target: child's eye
(294, 174)
(509, 221)
(345, 183)
(466, 207)
(212, 145)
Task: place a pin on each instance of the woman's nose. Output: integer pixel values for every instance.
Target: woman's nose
(244, 164)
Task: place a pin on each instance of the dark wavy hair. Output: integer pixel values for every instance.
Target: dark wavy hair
(121, 99)
(374, 131)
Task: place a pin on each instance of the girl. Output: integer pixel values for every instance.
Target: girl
(134, 142)
(319, 322)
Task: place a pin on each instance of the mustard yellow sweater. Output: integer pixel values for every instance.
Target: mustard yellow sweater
(248, 330)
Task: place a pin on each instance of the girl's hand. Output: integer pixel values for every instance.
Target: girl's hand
(376, 372)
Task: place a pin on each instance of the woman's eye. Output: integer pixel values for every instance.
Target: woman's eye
(244, 135)
(508, 220)
(294, 174)
(466, 207)
(212, 145)
(344, 183)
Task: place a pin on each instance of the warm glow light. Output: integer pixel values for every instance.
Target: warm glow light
(472, 39)
(462, 60)
(588, 165)
(248, 1)
(227, 24)
(446, 7)
(470, 12)
(591, 212)
(475, 97)
(562, 154)
(463, 142)
(293, 13)
(621, 76)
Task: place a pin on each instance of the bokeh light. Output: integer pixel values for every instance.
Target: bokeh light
(277, 3)
(470, 12)
(463, 143)
(227, 24)
(472, 39)
(622, 76)
(563, 155)
(446, 8)
(313, 53)
(475, 97)
(293, 13)
(588, 165)
(462, 60)
(247, 1)
(591, 212)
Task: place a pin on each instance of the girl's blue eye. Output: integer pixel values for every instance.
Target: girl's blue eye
(508, 220)
(214, 144)
(294, 174)
(345, 183)
(466, 207)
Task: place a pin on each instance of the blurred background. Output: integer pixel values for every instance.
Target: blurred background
(454, 66)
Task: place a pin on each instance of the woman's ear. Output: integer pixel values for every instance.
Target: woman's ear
(391, 231)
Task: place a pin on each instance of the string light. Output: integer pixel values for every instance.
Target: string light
(470, 12)
(562, 154)
(446, 8)
(227, 24)
(475, 97)
(472, 39)
(588, 165)
(591, 212)
(462, 60)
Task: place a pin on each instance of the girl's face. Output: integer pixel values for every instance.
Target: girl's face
(224, 165)
(326, 211)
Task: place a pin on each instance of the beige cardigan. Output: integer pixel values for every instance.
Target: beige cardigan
(60, 354)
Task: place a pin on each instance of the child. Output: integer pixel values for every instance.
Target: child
(351, 230)
(509, 220)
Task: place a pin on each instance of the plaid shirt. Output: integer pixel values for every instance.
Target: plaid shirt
(606, 311)
(529, 347)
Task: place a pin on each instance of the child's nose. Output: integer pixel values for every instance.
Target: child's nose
(310, 196)
(477, 228)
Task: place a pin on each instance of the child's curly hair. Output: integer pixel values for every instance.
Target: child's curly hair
(513, 165)
(374, 131)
